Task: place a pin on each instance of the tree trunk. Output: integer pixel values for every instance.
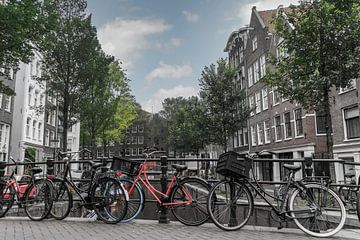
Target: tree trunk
(328, 124)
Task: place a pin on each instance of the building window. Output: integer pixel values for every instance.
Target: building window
(252, 105)
(52, 138)
(47, 139)
(134, 152)
(36, 96)
(258, 102)
(250, 76)
(7, 103)
(253, 136)
(128, 141)
(298, 122)
(39, 131)
(33, 129)
(265, 102)
(256, 71)
(278, 128)
(262, 66)
(352, 122)
(140, 139)
(246, 136)
(30, 95)
(4, 141)
(267, 131)
(320, 122)
(127, 152)
(1, 97)
(352, 85)
(276, 96)
(141, 128)
(254, 43)
(133, 139)
(260, 135)
(28, 127)
(140, 151)
(240, 138)
(287, 119)
(134, 129)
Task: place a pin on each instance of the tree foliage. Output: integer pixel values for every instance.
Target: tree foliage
(68, 65)
(322, 39)
(107, 108)
(224, 102)
(187, 124)
(22, 27)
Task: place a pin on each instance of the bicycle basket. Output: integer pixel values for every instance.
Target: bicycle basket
(126, 166)
(231, 165)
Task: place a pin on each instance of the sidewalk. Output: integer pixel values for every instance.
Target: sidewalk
(16, 228)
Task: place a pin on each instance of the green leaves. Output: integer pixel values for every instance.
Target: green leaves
(222, 101)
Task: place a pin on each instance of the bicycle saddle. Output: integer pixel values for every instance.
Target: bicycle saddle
(36, 170)
(179, 167)
(97, 165)
(291, 167)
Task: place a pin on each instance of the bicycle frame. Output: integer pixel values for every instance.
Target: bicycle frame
(158, 195)
(291, 183)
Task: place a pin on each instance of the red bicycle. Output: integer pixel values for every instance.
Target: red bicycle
(185, 196)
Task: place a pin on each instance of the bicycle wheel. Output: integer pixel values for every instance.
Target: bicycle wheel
(62, 200)
(7, 198)
(136, 200)
(195, 212)
(110, 200)
(358, 205)
(318, 211)
(38, 199)
(230, 204)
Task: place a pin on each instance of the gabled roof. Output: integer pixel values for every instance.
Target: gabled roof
(267, 17)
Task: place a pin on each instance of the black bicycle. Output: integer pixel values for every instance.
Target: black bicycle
(349, 194)
(315, 209)
(103, 194)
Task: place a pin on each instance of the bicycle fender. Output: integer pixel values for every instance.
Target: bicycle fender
(141, 188)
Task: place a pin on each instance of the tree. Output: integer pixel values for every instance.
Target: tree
(22, 26)
(224, 102)
(107, 107)
(67, 66)
(322, 39)
(187, 124)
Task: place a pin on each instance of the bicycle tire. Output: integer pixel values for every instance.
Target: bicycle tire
(315, 223)
(7, 199)
(38, 199)
(63, 200)
(223, 212)
(136, 200)
(358, 205)
(109, 200)
(199, 190)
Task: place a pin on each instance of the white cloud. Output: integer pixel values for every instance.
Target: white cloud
(125, 38)
(154, 104)
(245, 10)
(176, 42)
(166, 71)
(190, 17)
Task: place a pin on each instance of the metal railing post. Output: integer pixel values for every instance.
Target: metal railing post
(2, 168)
(49, 166)
(308, 166)
(163, 218)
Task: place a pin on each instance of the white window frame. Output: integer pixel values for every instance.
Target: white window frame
(7, 106)
(252, 105)
(265, 99)
(254, 43)
(246, 136)
(250, 76)
(346, 137)
(262, 66)
(350, 88)
(276, 130)
(1, 100)
(256, 71)
(267, 132)
(286, 137)
(275, 91)
(258, 102)
(296, 125)
(260, 132)
(141, 139)
(253, 136)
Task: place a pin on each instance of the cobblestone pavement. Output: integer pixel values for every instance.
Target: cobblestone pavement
(23, 229)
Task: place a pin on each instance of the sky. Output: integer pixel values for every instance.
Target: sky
(164, 45)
